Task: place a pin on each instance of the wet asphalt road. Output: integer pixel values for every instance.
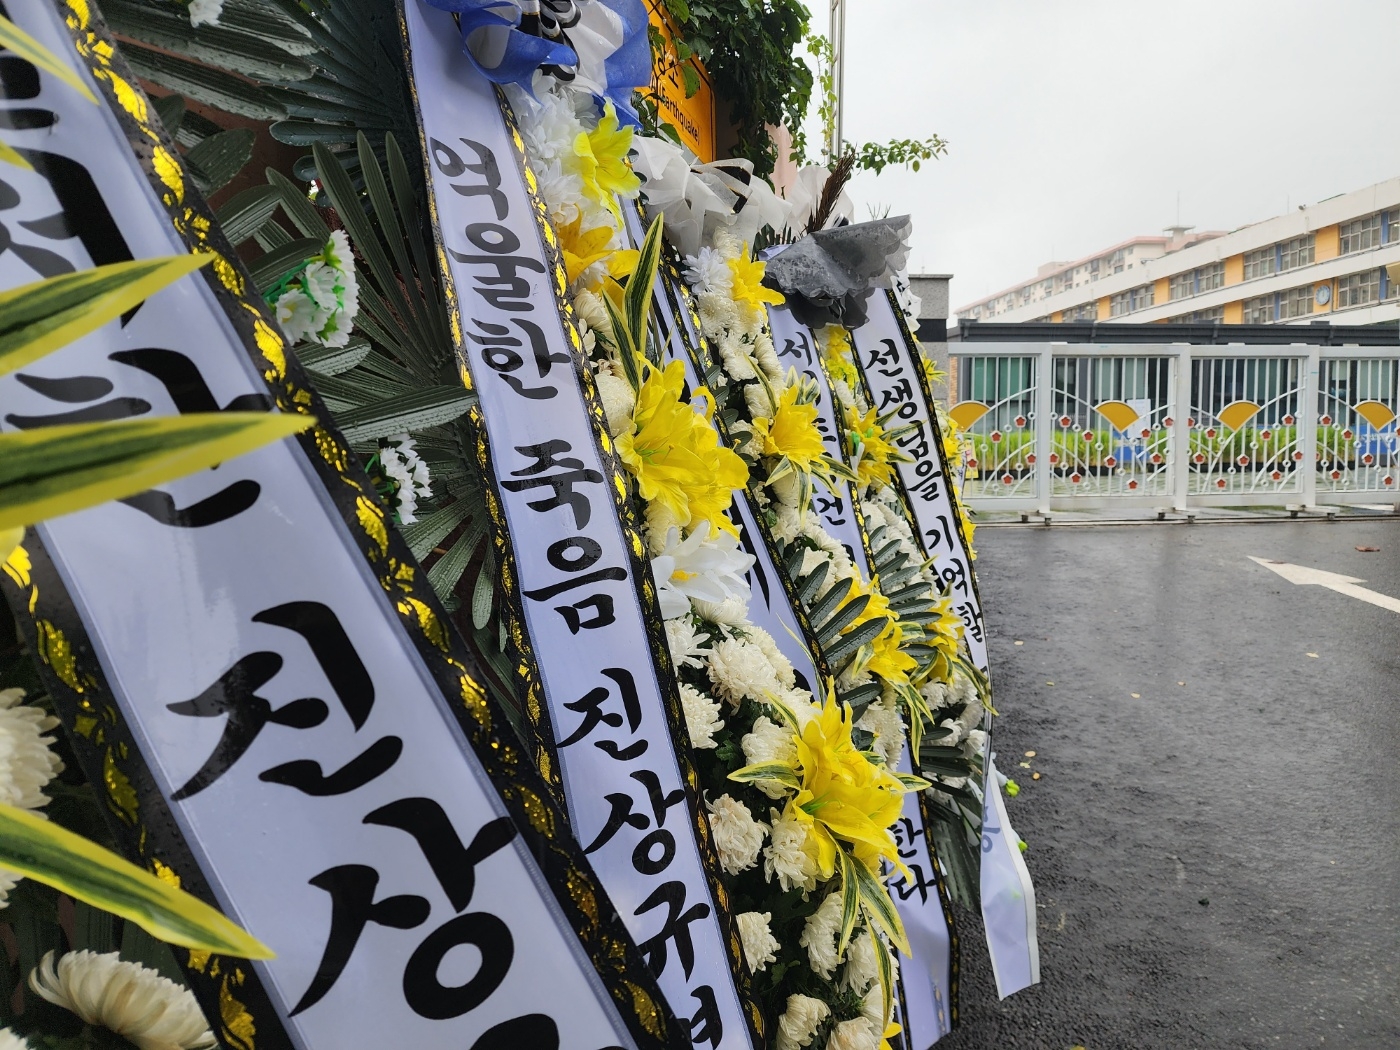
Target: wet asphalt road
(1217, 863)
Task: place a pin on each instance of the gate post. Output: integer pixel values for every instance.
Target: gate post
(1044, 424)
(1179, 411)
(1309, 407)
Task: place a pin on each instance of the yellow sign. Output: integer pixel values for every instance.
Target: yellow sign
(694, 117)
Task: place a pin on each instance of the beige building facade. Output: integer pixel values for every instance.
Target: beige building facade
(1323, 262)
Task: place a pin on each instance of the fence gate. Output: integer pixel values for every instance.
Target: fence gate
(1064, 426)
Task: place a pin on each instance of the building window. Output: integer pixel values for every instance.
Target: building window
(1215, 315)
(1142, 296)
(1083, 312)
(1392, 223)
(1359, 289)
(1361, 234)
(1297, 252)
(1296, 302)
(1260, 263)
(1120, 304)
(1259, 310)
(1208, 278)
(1182, 285)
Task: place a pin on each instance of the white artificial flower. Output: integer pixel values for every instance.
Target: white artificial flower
(701, 568)
(298, 315)
(883, 719)
(861, 969)
(702, 719)
(855, 1034)
(26, 762)
(769, 742)
(321, 282)
(788, 525)
(759, 942)
(798, 1025)
(124, 997)
(11, 1041)
(618, 401)
(782, 666)
(975, 743)
(660, 520)
(819, 936)
(732, 612)
(737, 836)
(206, 12)
(709, 273)
(406, 468)
(739, 669)
(767, 359)
(759, 404)
(787, 857)
(687, 645)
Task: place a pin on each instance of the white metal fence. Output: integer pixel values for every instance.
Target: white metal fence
(1054, 426)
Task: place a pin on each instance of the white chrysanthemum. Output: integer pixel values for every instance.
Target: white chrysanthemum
(731, 612)
(206, 12)
(700, 568)
(407, 469)
(739, 669)
(549, 124)
(135, 1002)
(767, 360)
(687, 645)
(738, 837)
(26, 762)
(861, 969)
(757, 401)
(298, 315)
(709, 273)
(618, 401)
(769, 742)
(975, 743)
(799, 1023)
(11, 1041)
(884, 721)
(702, 719)
(759, 942)
(788, 525)
(660, 520)
(789, 856)
(782, 666)
(819, 936)
(855, 1034)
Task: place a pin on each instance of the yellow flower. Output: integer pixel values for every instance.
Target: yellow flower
(748, 283)
(582, 248)
(943, 634)
(792, 432)
(847, 797)
(675, 454)
(836, 352)
(600, 159)
(873, 451)
(968, 528)
(890, 661)
(891, 1030)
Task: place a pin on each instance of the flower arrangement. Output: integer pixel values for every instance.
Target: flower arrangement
(318, 301)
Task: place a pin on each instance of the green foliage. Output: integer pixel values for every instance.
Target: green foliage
(749, 48)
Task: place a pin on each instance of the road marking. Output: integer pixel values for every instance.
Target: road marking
(1333, 581)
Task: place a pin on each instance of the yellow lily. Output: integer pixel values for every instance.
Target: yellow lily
(748, 287)
(582, 248)
(600, 158)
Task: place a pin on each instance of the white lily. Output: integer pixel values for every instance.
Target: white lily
(702, 568)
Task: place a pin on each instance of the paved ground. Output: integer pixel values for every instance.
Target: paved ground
(1215, 838)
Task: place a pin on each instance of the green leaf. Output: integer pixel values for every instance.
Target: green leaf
(846, 866)
(826, 603)
(626, 349)
(448, 569)
(640, 293)
(170, 109)
(691, 78)
(58, 470)
(331, 360)
(221, 45)
(278, 263)
(423, 536)
(16, 40)
(298, 207)
(812, 582)
(849, 643)
(429, 407)
(481, 596)
(875, 901)
(36, 319)
(884, 969)
(53, 855)
(783, 774)
(205, 84)
(216, 160)
(846, 615)
(243, 214)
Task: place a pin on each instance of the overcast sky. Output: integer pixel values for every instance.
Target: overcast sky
(1075, 124)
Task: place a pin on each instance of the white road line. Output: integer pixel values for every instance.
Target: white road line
(1333, 581)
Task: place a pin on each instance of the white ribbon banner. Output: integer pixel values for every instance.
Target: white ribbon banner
(888, 359)
(1008, 896)
(580, 575)
(926, 979)
(313, 766)
(886, 355)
